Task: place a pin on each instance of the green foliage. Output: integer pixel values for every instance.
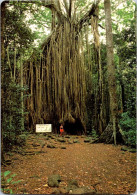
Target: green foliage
(11, 111)
(6, 173)
(81, 3)
(39, 20)
(18, 37)
(21, 139)
(94, 134)
(6, 179)
(125, 61)
(16, 31)
(128, 125)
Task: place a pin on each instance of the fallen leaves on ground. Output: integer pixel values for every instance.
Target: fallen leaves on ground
(100, 166)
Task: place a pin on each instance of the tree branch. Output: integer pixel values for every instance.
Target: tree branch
(101, 26)
(70, 8)
(87, 16)
(66, 7)
(54, 5)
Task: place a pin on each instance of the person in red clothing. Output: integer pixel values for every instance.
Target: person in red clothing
(61, 130)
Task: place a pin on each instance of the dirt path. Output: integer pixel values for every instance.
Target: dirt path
(104, 168)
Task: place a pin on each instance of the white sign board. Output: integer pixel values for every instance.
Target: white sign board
(43, 128)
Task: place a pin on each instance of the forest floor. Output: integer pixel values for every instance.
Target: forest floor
(102, 167)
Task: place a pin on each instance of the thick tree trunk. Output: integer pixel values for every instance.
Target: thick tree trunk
(100, 92)
(2, 30)
(64, 77)
(136, 42)
(63, 89)
(2, 67)
(111, 68)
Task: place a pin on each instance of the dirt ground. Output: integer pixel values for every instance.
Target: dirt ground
(105, 168)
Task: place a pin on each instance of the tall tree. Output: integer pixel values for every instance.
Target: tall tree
(64, 87)
(16, 38)
(2, 63)
(100, 92)
(136, 33)
(111, 67)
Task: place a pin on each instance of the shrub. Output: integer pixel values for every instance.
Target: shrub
(21, 139)
(128, 125)
(11, 112)
(94, 133)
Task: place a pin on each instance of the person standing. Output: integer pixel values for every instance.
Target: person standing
(61, 130)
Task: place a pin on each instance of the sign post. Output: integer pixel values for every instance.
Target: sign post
(43, 128)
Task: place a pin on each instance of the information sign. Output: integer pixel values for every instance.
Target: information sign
(43, 128)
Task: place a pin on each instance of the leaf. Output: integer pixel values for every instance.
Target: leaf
(2, 189)
(6, 173)
(9, 180)
(46, 185)
(13, 175)
(15, 182)
(6, 190)
(11, 192)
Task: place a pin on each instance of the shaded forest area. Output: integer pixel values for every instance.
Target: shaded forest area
(70, 62)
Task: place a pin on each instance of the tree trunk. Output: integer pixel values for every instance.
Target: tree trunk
(111, 68)
(2, 67)
(8, 58)
(64, 89)
(53, 20)
(15, 63)
(136, 33)
(100, 94)
(22, 103)
(2, 31)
